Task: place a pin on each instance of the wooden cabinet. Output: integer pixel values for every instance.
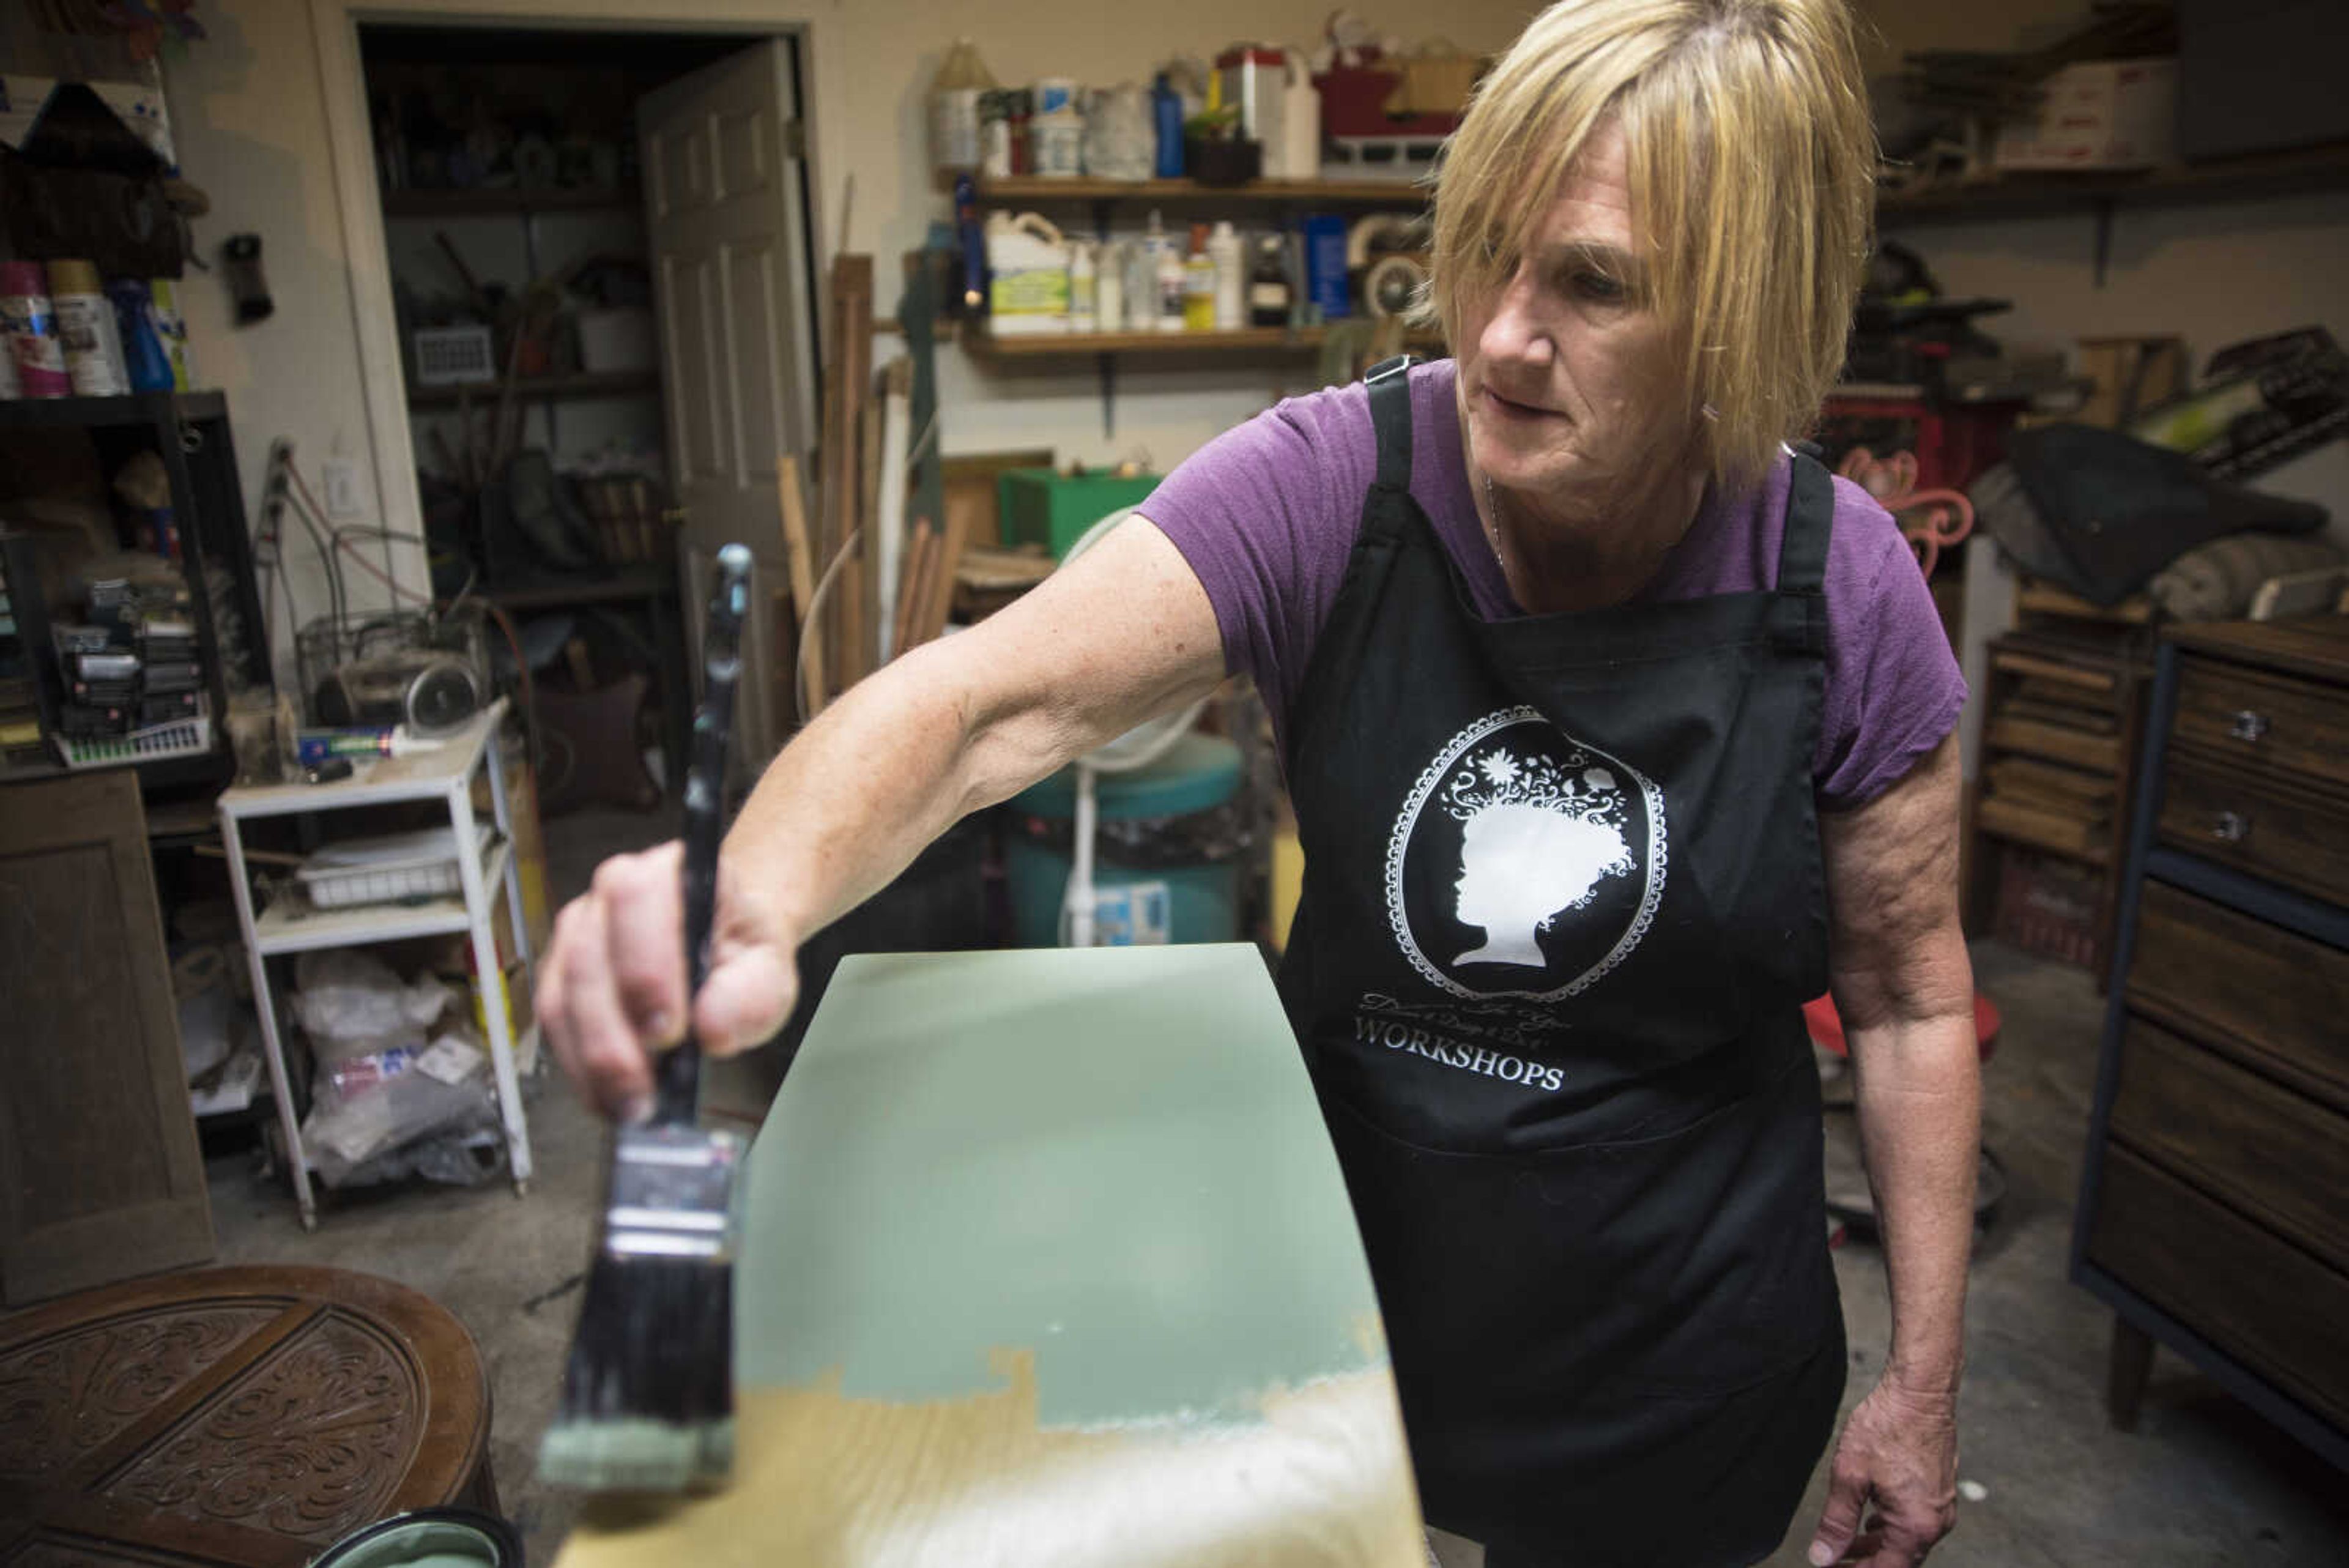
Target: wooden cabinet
(99, 1174)
(2214, 1206)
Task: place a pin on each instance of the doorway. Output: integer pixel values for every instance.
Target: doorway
(600, 248)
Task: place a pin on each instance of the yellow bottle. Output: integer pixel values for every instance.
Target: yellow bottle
(1198, 285)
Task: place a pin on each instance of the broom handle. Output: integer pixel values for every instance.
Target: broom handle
(677, 1072)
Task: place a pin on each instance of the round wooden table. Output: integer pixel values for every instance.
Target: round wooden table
(248, 1415)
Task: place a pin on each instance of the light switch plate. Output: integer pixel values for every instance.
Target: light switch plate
(339, 477)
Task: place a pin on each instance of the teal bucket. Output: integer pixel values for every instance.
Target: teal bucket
(1167, 859)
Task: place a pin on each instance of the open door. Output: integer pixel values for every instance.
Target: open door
(723, 187)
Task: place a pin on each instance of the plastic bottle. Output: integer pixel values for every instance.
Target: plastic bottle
(1167, 119)
(142, 347)
(1168, 262)
(172, 327)
(1198, 285)
(1268, 293)
(1109, 287)
(1084, 287)
(1231, 277)
(31, 324)
(86, 326)
(954, 107)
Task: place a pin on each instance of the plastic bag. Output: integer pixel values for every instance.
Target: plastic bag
(351, 1004)
(1119, 142)
(369, 1106)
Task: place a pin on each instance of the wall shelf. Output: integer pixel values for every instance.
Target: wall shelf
(541, 388)
(1248, 340)
(2253, 176)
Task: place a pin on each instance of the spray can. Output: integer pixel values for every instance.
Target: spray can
(172, 328)
(31, 326)
(86, 326)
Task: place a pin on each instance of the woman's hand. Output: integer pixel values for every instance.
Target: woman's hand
(612, 988)
(1897, 1463)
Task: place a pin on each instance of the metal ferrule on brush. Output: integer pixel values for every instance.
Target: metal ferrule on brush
(672, 1194)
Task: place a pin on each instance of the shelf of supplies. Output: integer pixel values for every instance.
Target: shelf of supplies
(1248, 340)
(131, 409)
(603, 384)
(453, 204)
(290, 926)
(1396, 193)
(2218, 179)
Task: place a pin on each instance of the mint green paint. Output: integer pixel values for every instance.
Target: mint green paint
(428, 1543)
(1112, 1157)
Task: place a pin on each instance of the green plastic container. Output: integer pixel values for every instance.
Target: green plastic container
(1044, 507)
(1166, 869)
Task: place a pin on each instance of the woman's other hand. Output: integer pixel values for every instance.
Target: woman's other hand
(1896, 1464)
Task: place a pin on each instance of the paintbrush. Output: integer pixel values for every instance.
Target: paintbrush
(648, 1396)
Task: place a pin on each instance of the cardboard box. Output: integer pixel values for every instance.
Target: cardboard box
(2099, 114)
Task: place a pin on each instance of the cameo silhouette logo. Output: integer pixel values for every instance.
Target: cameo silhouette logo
(1524, 863)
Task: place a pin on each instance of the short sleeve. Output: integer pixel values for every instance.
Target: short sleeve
(1265, 514)
(1893, 687)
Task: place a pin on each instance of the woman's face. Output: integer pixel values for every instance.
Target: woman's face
(1566, 379)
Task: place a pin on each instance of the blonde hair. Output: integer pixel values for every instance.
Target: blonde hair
(1752, 169)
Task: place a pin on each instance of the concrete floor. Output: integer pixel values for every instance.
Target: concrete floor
(2203, 1481)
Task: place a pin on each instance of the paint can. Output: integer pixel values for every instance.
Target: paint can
(1057, 144)
(428, 1538)
(172, 328)
(31, 326)
(86, 326)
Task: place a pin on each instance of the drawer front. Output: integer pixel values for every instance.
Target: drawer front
(2278, 1000)
(2265, 826)
(2262, 1300)
(2264, 722)
(2278, 1155)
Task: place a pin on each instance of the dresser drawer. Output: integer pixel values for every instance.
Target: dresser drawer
(2264, 722)
(2258, 1298)
(2278, 1001)
(2278, 1155)
(2264, 825)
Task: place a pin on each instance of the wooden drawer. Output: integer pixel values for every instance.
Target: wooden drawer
(2266, 723)
(2257, 1297)
(2277, 1000)
(2278, 1155)
(2262, 824)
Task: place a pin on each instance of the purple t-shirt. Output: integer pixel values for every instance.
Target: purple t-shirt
(1268, 512)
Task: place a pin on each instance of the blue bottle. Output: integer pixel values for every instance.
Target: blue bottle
(142, 347)
(1166, 115)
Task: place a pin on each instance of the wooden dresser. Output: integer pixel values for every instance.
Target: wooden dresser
(2214, 1204)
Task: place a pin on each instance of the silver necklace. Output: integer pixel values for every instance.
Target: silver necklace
(1492, 525)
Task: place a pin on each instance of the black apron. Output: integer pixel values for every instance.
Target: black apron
(1563, 902)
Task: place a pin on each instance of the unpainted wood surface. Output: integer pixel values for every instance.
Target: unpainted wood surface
(2265, 722)
(1047, 1261)
(2274, 999)
(2253, 1296)
(2278, 1155)
(252, 1415)
(2316, 646)
(100, 1177)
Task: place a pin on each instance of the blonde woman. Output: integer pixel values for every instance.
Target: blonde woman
(1571, 573)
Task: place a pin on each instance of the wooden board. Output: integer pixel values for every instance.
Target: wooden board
(1047, 1262)
(100, 1177)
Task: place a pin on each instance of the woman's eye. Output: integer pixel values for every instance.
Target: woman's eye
(1596, 286)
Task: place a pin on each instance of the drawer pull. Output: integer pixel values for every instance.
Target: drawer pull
(2249, 724)
(2231, 827)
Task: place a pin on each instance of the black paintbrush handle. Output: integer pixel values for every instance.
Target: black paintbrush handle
(677, 1072)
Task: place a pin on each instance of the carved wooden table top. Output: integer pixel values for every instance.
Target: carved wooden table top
(248, 1415)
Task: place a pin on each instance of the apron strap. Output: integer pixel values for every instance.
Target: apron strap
(1810, 523)
(1390, 384)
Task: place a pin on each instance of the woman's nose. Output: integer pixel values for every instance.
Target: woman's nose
(1517, 334)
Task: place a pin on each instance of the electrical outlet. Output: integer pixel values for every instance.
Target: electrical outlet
(339, 477)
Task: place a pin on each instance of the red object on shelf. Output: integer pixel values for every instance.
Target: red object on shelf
(1354, 103)
(1955, 442)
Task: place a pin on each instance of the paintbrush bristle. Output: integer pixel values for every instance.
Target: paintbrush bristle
(648, 1395)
